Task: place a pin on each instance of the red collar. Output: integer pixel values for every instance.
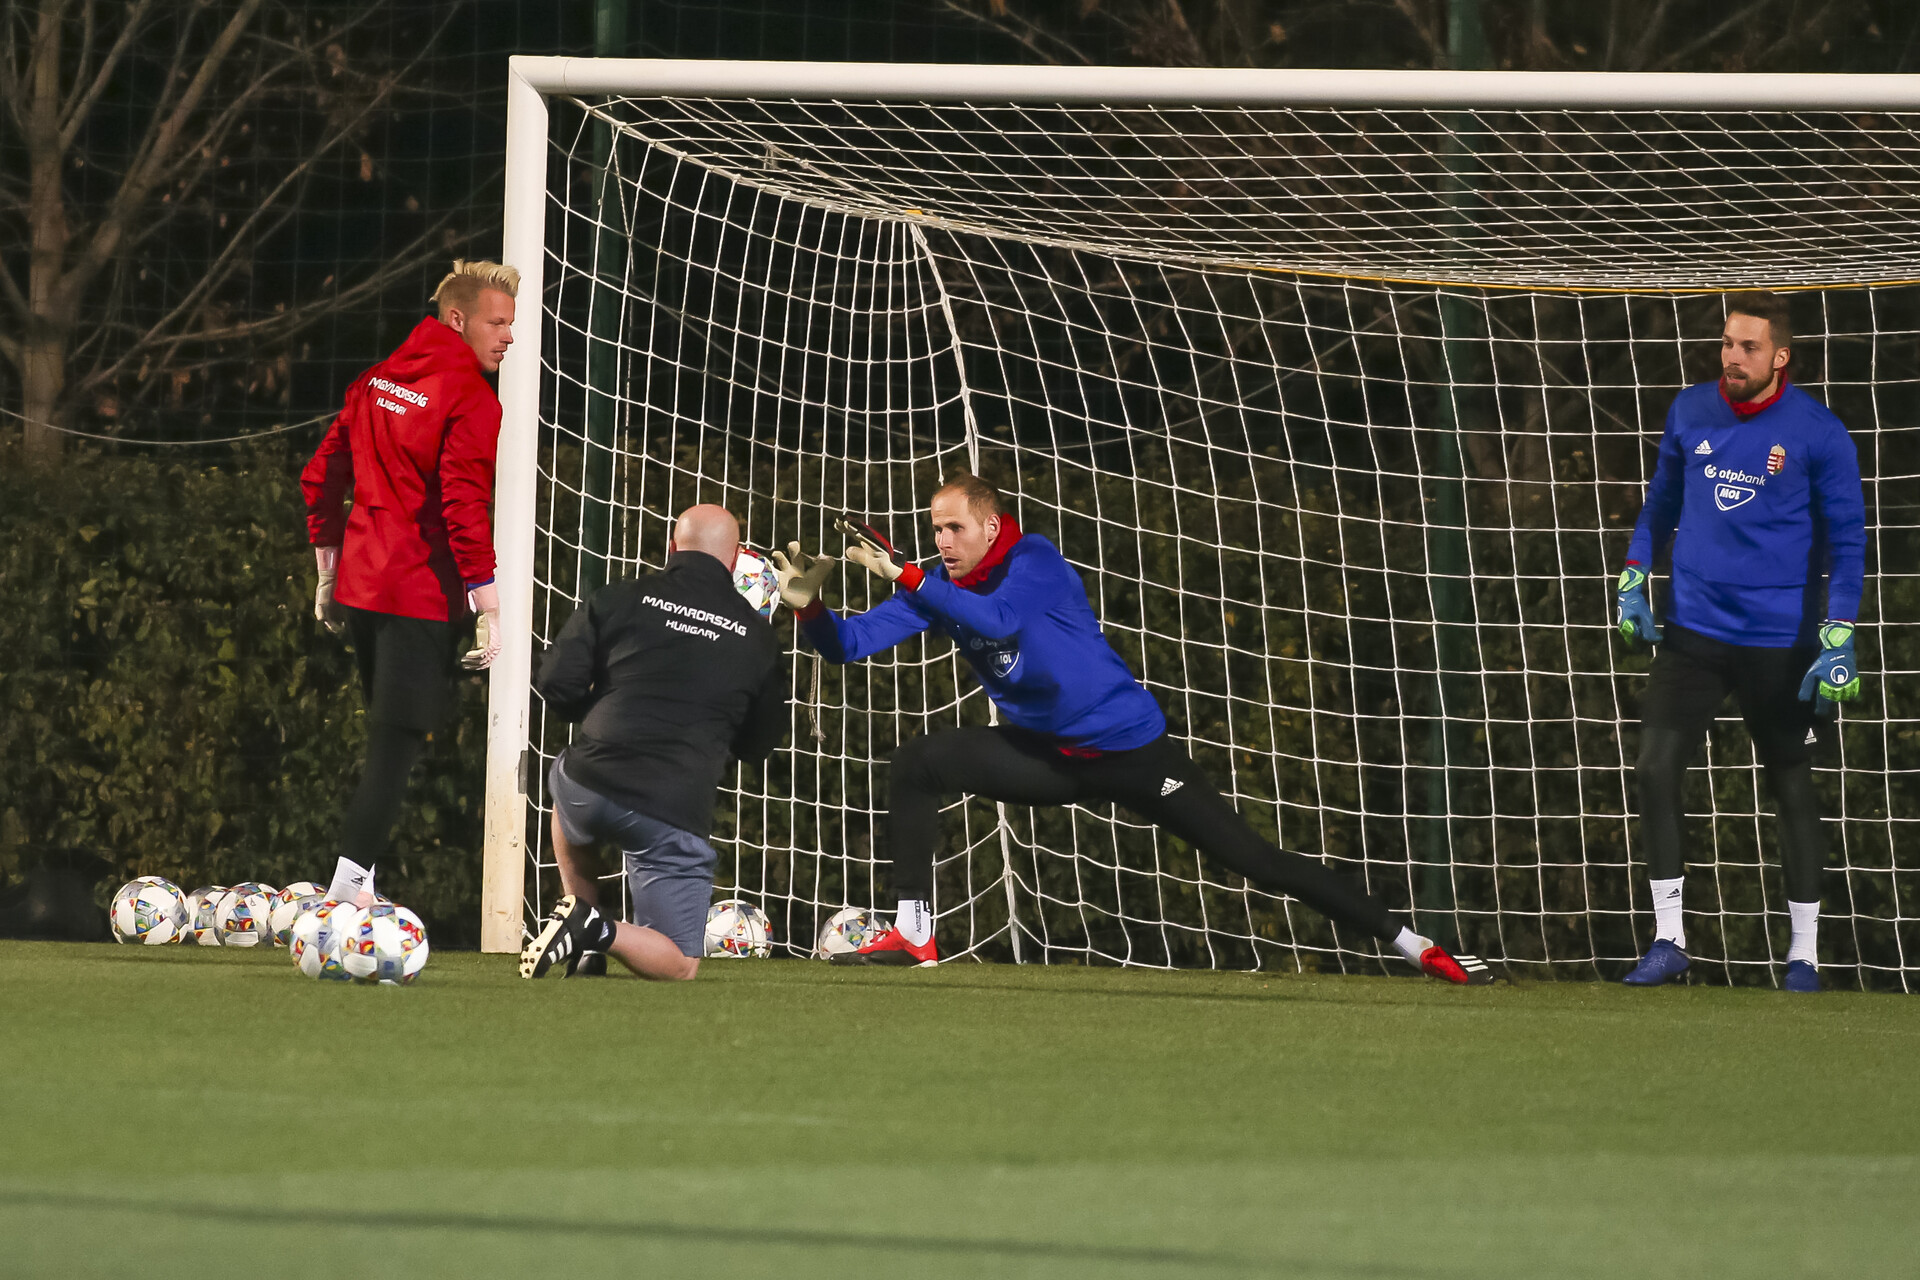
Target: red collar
(1009, 534)
(1747, 408)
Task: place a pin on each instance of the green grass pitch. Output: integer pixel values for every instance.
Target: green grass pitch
(182, 1112)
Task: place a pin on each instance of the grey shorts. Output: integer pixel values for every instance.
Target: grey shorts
(669, 871)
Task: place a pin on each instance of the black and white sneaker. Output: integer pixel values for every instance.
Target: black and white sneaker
(588, 964)
(560, 940)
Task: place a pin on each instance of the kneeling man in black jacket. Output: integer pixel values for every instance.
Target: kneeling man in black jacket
(668, 676)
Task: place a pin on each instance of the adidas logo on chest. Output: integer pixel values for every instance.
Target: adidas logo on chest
(1703, 449)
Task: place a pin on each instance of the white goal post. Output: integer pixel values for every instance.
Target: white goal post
(1369, 585)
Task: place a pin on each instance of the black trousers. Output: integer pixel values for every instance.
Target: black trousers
(1690, 679)
(407, 668)
(1159, 782)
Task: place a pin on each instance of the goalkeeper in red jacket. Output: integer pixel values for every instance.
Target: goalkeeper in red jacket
(1758, 486)
(402, 573)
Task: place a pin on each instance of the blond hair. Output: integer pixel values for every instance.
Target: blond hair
(463, 285)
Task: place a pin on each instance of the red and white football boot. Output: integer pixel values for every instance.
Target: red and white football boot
(1465, 970)
(893, 948)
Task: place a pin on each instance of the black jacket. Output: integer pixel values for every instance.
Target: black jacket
(667, 675)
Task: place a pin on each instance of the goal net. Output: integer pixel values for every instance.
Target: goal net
(1343, 412)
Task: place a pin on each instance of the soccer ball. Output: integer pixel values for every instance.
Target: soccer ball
(301, 895)
(388, 945)
(244, 916)
(739, 929)
(753, 577)
(149, 910)
(850, 929)
(202, 927)
(316, 938)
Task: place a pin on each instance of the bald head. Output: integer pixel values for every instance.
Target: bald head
(710, 529)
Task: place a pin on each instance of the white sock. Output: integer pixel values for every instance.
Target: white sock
(1666, 911)
(1806, 933)
(914, 921)
(1411, 945)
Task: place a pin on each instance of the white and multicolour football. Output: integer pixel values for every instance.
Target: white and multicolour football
(316, 939)
(753, 577)
(850, 929)
(738, 929)
(388, 945)
(149, 911)
(286, 906)
(202, 903)
(244, 916)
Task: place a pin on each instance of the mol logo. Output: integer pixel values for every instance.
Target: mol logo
(1000, 656)
(1727, 496)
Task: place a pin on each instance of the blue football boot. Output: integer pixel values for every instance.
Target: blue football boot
(1663, 963)
(1801, 977)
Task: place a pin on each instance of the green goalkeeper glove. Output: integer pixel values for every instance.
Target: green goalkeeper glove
(1636, 614)
(1834, 675)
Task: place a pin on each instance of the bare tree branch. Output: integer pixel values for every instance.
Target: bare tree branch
(1026, 33)
(1650, 35)
(156, 148)
(1195, 54)
(85, 58)
(80, 105)
(1795, 35)
(207, 72)
(16, 297)
(1426, 25)
(1732, 22)
(244, 237)
(280, 326)
(10, 67)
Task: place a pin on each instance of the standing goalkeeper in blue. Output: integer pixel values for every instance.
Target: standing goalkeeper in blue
(1077, 725)
(1762, 485)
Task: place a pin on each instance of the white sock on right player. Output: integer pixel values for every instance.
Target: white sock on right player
(1806, 933)
(1666, 911)
(914, 920)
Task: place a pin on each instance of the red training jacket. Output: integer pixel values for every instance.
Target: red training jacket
(416, 442)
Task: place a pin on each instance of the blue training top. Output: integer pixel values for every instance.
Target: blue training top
(1765, 507)
(1032, 640)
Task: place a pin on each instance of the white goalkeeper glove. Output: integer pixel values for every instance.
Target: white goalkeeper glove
(871, 550)
(800, 576)
(325, 611)
(484, 600)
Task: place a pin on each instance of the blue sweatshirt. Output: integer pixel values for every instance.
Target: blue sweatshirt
(1766, 508)
(1031, 638)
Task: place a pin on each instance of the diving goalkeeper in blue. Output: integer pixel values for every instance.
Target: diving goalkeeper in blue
(1076, 726)
(1758, 487)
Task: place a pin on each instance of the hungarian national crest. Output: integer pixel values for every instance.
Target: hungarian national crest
(1776, 459)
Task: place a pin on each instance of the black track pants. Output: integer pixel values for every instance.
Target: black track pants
(1691, 677)
(1661, 773)
(1158, 781)
(391, 754)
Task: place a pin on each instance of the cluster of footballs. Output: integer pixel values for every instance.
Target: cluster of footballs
(331, 940)
(737, 929)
